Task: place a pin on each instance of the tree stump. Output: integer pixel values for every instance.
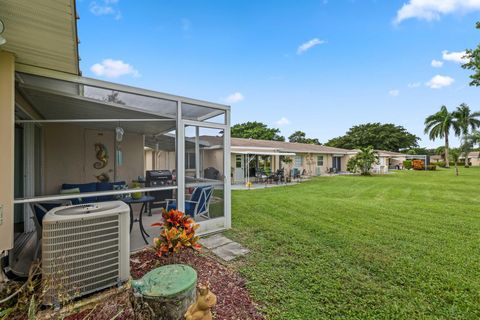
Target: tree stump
(168, 290)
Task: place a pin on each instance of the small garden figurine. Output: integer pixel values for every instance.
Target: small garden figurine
(201, 309)
(178, 232)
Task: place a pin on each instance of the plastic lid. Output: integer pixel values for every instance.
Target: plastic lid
(168, 281)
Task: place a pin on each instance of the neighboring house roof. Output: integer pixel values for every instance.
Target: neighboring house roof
(472, 155)
(385, 153)
(382, 153)
(254, 145)
(286, 146)
(436, 157)
(42, 33)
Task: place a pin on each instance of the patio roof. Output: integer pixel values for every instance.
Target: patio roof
(103, 105)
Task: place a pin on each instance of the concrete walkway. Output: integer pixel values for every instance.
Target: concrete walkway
(224, 247)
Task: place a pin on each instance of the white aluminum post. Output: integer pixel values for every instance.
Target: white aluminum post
(180, 159)
(197, 153)
(227, 165)
(29, 173)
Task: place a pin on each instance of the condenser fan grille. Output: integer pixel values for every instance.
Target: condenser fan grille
(80, 256)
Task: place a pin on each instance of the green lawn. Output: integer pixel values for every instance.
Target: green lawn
(398, 246)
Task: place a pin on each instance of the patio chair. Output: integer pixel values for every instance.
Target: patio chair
(197, 205)
(39, 211)
(279, 176)
(261, 176)
(295, 173)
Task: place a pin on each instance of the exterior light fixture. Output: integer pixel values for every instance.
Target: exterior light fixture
(2, 28)
(119, 134)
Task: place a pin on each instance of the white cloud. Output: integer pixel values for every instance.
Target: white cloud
(394, 92)
(304, 47)
(414, 84)
(433, 9)
(113, 69)
(105, 7)
(458, 57)
(437, 63)
(283, 122)
(439, 82)
(235, 97)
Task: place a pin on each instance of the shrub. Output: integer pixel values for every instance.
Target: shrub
(418, 165)
(432, 167)
(178, 232)
(441, 164)
(407, 164)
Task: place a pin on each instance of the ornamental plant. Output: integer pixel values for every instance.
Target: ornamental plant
(418, 165)
(177, 233)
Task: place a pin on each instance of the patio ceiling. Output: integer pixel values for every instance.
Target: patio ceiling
(42, 33)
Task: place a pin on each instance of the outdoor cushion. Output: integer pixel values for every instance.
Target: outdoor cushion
(72, 191)
(84, 187)
(189, 207)
(108, 186)
(196, 194)
(123, 186)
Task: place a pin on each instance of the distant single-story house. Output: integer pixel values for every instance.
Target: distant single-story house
(249, 156)
(473, 158)
(437, 158)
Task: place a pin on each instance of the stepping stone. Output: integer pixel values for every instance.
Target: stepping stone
(214, 241)
(230, 251)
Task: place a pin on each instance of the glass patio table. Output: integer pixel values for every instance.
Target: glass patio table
(146, 207)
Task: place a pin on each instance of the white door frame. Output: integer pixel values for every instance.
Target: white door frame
(226, 166)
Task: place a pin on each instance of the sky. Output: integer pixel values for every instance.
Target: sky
(319, 66)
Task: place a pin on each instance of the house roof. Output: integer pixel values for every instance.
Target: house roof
(385, 153)
(382, 153)
(472, 155)
(42, 33)
(255, 145)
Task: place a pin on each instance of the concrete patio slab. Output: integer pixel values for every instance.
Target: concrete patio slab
(230, 251)
(214, 241)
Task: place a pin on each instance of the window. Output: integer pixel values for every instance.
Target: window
(298, 161)
(238, 161)
(319, 161)
(190, 160)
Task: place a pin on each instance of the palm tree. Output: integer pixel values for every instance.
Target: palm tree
(438, 125)
(363, 161)
(455, 155)
(465, 120)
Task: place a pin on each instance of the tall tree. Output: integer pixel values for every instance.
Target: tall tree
(473, 63)
(380, 136)
(256, 130)
(466, 120)
(301, 137)
(438, 125)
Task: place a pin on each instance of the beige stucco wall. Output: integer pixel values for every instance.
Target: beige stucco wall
(7, 109)
(309, 163)
(214, 158)
(68, 158)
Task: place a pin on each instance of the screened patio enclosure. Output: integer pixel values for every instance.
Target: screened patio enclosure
(82, 140)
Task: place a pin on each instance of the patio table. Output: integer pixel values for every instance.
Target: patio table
(146, 206)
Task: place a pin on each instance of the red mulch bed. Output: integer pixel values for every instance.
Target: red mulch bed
(233, 299)
(234, 302)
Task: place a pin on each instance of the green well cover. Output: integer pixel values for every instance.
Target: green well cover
(167, 281)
